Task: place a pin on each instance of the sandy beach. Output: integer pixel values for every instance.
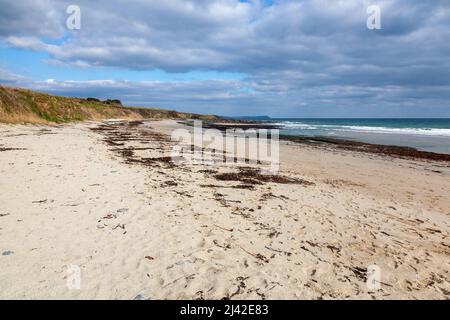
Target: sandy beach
(102, 196)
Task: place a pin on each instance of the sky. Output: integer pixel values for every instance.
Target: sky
(304, 58)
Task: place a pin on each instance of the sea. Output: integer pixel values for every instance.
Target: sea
(423, 134)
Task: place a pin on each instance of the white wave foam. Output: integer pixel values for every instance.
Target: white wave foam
(415, 131)
(296, 125)
(367, 129)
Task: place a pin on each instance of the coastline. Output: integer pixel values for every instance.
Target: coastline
(96, 195)
(339, 143)
(380, 149)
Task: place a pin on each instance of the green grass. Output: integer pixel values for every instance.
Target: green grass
(20, 105)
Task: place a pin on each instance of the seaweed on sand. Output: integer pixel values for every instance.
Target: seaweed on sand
(253, 176)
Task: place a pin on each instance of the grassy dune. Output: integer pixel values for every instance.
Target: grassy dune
(26, 106)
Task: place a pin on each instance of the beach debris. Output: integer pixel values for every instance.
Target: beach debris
(44, 131)
(40, 201)
(121, 226)
(304, 248)
(187, 278)
(4, 214)
(239, 186)
(184, 193)
(267, 195)
(221, 199)
(240, 287)
(109, 216)
(274, 233)
(279, 251)
(253, 176)
(72, 204)
(119, 133)
(226, 229)
(7, 253)
(11, 149)
(113, 143)
(223, 246)
(257, 255)
(338, 183)
(169, 183)
(360, 273)
(312, 244)
(237, 211)
(208, 171)
(199, 295)
(135, 123)
(334, 249)
(139, 297)
(126, 153)
(149, 258)
(433, 231)
(122, 210)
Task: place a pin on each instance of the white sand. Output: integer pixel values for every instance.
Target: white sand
(67, 199)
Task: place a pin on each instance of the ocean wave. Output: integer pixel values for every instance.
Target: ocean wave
(415, 131)
(367, 129)
(296, 125)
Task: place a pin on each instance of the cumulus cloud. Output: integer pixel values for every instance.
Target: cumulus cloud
(26, 18)
(12, 79)
(296, 54)
(234, 97)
